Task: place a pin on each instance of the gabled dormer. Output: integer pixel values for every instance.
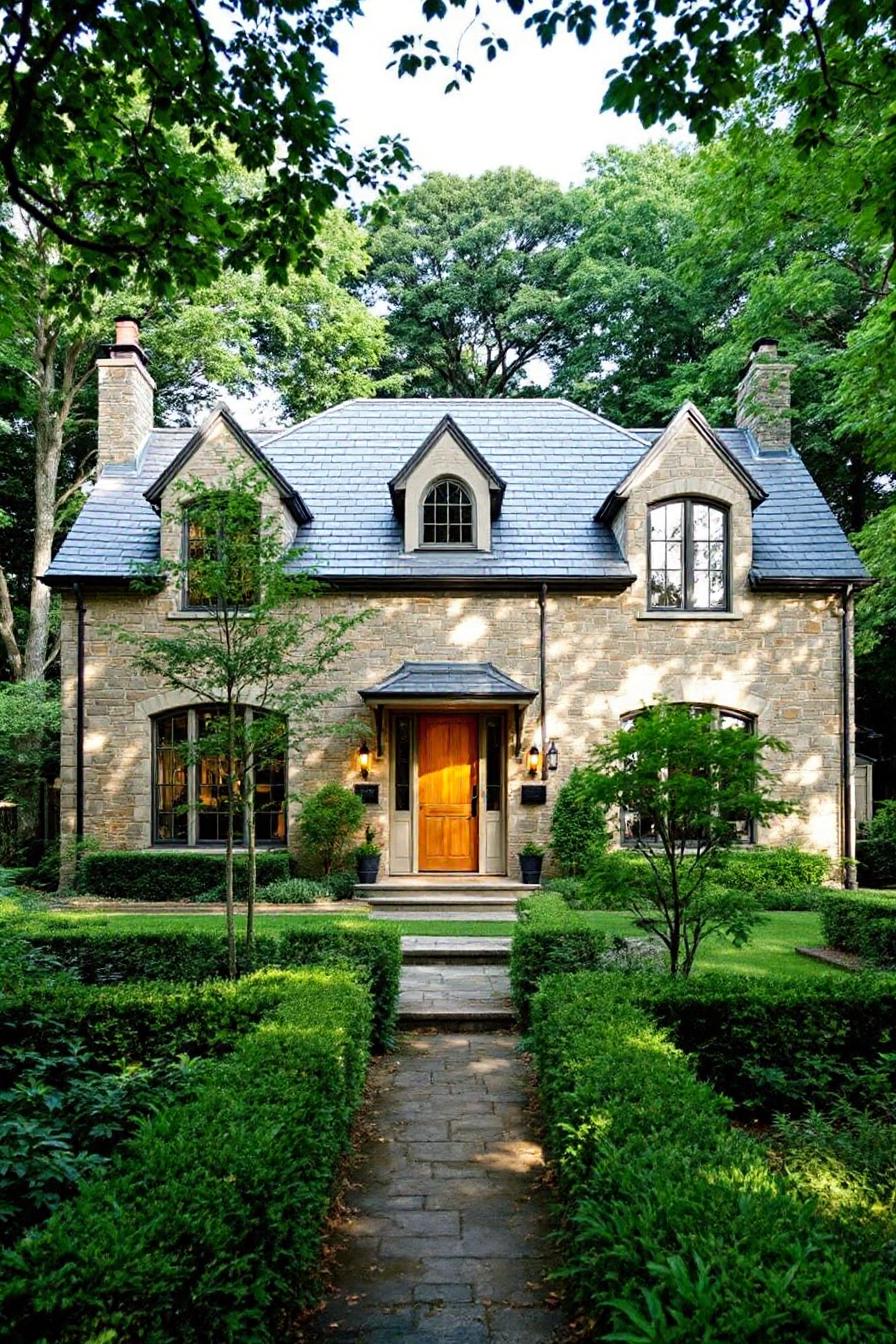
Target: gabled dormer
(683, 519)
(446, 496)
(209, 457)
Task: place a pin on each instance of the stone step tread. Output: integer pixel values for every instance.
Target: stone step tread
(446, 916)
(446, 943)
(423, 884)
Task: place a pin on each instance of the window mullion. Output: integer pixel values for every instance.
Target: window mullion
(688, 558)
(192, 780)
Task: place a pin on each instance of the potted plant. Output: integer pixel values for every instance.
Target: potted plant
(531, 858)
(367, 857)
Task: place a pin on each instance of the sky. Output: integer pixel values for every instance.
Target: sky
(533, 107)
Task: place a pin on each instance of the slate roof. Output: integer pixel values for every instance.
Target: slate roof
(559, 462)
(462, 681)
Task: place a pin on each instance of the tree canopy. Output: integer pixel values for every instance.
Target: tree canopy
(475, 275)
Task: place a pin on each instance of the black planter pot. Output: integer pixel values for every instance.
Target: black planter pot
(368, 867)
(530, 868)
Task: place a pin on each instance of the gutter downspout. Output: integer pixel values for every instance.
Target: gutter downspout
(79, 720)
(847, 671)
(543, 673)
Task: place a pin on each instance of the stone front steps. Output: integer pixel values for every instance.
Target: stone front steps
(491, 898)
(454, 951)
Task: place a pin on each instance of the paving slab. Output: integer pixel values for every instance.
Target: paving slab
(467, 1263)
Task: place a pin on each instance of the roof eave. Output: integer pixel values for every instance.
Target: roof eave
(800, 583)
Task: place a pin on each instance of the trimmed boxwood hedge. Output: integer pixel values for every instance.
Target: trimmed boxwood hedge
(549, 938)
(170, 875)
(105, 954)
(773, 1044)
(207, 1225)
(674, 1227)
(862, 922)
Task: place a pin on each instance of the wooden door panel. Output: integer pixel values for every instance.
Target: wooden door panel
(447, 779)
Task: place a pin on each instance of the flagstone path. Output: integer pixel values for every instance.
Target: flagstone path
(447, 1238)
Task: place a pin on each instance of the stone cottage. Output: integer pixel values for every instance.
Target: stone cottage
(536, 574)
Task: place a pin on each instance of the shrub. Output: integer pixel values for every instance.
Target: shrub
(327, 825)
(579, 831)
(674, 1228)
(615, 880)
(549, 937)
(295, 891)
(208, 1224)
(168, 875)
(783, 878)
(861, 922)
(773, 1044)
(877, 848)
(340, 885)
(107, 954)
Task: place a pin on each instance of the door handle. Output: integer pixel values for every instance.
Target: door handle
(474, 802)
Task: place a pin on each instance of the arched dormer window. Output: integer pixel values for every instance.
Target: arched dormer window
(447, 515)
(190, 793)
(688, 556)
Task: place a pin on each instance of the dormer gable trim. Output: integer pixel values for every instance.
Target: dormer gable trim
(447, 425)
(687, 414)
(290, 498)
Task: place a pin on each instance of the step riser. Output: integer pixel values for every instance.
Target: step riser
(439, 903)
(454, 958)
(440, 914)
(461, 1022)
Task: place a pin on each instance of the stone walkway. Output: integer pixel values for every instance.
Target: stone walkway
(440, 988)
(447, 1241)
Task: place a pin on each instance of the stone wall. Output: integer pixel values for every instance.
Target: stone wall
(780, 663)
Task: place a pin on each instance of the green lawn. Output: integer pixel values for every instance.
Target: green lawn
(769, 952)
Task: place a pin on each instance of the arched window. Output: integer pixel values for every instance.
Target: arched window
(190, 793)
(688, 556)
(221, 539)
(640, 828)
(447, 515)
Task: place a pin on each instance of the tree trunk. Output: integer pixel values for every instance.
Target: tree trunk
(228, 861)
(251, 878)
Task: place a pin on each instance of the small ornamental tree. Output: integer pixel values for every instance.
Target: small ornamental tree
(261, 640)
(689, 782)
(579, 832)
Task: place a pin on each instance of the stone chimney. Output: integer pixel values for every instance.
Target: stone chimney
(763, 397)
(125, 397)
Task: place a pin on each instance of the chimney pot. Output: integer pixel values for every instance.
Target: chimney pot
(127, 331)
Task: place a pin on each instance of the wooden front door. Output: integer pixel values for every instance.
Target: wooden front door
(448, 792)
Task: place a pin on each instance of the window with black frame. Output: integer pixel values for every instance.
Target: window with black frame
(190, 787)
(447, 515)
(220, 540)
(688, 560)
(641, 828)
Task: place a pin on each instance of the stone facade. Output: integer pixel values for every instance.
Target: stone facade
(773, 656)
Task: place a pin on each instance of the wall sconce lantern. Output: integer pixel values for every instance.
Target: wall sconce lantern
(552, 755)
(364, 760)
(532, 760)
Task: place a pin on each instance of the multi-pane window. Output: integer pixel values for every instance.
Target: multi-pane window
(190, 793)
(641, 828)
(220, 552)
(171, 778)
(448, 515)
(688, 556)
